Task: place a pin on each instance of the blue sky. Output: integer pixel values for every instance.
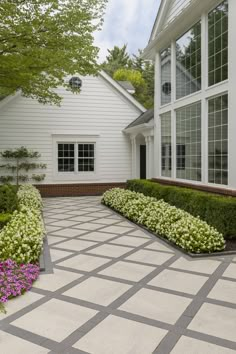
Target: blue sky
(127, 21)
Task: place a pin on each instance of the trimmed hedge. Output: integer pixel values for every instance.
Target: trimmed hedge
(217, 211)
(176, 225)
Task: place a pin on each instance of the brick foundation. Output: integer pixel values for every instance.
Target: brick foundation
(210, 189)
(83, 189)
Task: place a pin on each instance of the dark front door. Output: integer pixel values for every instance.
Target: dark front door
(143, 161)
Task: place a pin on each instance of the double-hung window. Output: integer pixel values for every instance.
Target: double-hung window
(76, 158)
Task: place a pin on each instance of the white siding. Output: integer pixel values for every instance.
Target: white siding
(175, 9)
(98, 110)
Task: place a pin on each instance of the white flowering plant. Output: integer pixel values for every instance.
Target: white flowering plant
(176, 225)
(21, 240)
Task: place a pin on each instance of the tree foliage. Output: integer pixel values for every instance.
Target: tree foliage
(118, 58)
(42, 41)
(123, 67)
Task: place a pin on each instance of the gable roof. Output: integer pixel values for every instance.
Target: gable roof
(173, 19)
(108, 79)
(144, 118)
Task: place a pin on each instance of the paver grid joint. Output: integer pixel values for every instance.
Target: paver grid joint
(175, 331)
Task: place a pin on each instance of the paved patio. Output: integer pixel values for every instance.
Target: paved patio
(118, 290)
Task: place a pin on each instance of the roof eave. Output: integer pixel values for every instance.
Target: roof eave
(137, 128)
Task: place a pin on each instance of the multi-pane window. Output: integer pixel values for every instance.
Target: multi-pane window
(218, 44)
(218, 140)
(166, 145)
(188, 62)
(188, 142)
(166, 76)
(86, 157)
(66, 157)
(67, 161)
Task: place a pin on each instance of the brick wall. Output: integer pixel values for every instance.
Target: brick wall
(210, 189)
(64, 190)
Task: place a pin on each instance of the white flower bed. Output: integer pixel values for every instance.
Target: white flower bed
(176, 225)
(22, 238)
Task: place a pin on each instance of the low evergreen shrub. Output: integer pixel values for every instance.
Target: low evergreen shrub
(217, 211)
(8, 198)
(4, 218)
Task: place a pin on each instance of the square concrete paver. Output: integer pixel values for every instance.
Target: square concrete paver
(89, 226)
(18, 303)
(188, 345)
(156, 305)
(98, 236)
(130, 241)
(140, 233)
(121, 336)
(55, 319)
(84, 262)
(204, 266)
(179, 281)
(54, 239)
(158, 246)
(55, 281)
(110, 250)
(56, 254)
(64, 223)
(149, 257)
(99, 291)
(224, 290)
(128, 271)
(120, 230)
(216, 321)
(67, 233)
(105, 221)
(230, 271)
(76, 245)
(10, 344)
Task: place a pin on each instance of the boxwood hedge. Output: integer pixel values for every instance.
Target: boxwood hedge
(217, 211)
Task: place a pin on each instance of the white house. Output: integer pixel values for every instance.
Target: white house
(194, 123)
(82, 142)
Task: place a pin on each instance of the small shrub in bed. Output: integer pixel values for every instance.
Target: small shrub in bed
(218, 211)
(176, 225)
(15, 279)
(8, 198)
(4, 218)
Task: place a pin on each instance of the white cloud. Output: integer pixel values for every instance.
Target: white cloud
(127, 21)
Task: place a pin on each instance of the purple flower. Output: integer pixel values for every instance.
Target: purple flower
(16, 279)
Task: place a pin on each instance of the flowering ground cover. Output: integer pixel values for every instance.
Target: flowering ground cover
(21, 241)
(186, 231)
(15, 279)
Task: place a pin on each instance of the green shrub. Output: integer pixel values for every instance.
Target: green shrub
(4, 218)
(8, 198)
(21, 239)
(176, 225)
(217, 211)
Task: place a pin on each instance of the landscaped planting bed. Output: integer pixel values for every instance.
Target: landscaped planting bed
(21, 241)
(177, 226)
(218, 211)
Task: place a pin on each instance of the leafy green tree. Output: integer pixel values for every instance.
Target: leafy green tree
(118, 58)
(42, 41)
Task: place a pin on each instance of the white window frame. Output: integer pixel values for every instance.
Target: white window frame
(76, 175)
(206, 93)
